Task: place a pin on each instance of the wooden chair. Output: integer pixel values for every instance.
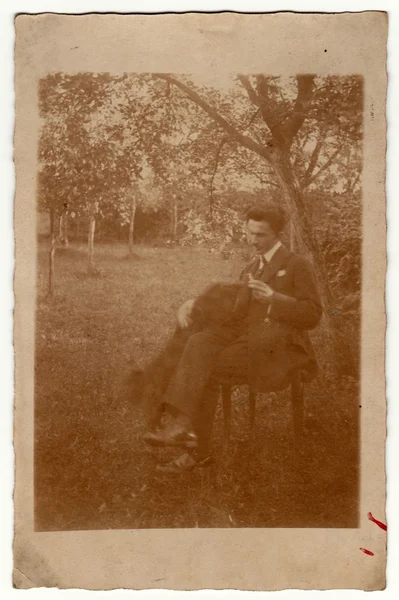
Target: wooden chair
(297, 386)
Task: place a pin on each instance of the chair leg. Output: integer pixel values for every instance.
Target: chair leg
(252, 409)
(226, 399)
(297, 398)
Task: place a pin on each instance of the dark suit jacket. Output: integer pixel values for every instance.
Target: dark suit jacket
(278, 338)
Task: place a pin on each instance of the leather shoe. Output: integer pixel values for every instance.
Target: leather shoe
(174, 435)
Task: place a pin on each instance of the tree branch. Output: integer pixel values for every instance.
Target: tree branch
(268, 182)
(261, 99)
(262, 85)
(313, 159)
(252, 95)
(324, 167)
(222, 142)
(251, 120)
(300, 111)
(351, 185)
(284, 129)
(214, 114)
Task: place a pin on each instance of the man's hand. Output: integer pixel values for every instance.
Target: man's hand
(183, 314)
(261, 291)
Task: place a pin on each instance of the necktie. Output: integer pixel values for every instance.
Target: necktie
(260, 267)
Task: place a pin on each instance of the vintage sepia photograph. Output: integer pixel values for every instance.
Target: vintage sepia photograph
(198, 301)
(199, 326)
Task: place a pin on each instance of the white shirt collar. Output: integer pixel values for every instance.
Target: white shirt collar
(270, 253)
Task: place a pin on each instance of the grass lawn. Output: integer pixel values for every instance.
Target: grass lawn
(92, 471)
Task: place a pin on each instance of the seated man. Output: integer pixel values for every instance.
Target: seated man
(260, 345)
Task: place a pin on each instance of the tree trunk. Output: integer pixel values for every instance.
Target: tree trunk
(92, 228)
(53, 241)
(305, 238)
(133, 207)
(306, 243)
(174, 219)
(64, 230)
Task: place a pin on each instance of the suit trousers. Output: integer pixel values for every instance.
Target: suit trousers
(210, 357)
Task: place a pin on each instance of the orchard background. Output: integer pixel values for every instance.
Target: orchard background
(143, 185)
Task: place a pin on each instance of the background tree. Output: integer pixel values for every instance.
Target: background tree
(192, 157)
(279, 112)
(86, 151)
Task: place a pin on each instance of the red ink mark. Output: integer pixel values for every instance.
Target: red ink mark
(367, 551)
(379, 523)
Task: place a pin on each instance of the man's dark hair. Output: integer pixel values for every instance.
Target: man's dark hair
(273, 214)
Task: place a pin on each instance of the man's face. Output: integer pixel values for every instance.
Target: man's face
(260, 236)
